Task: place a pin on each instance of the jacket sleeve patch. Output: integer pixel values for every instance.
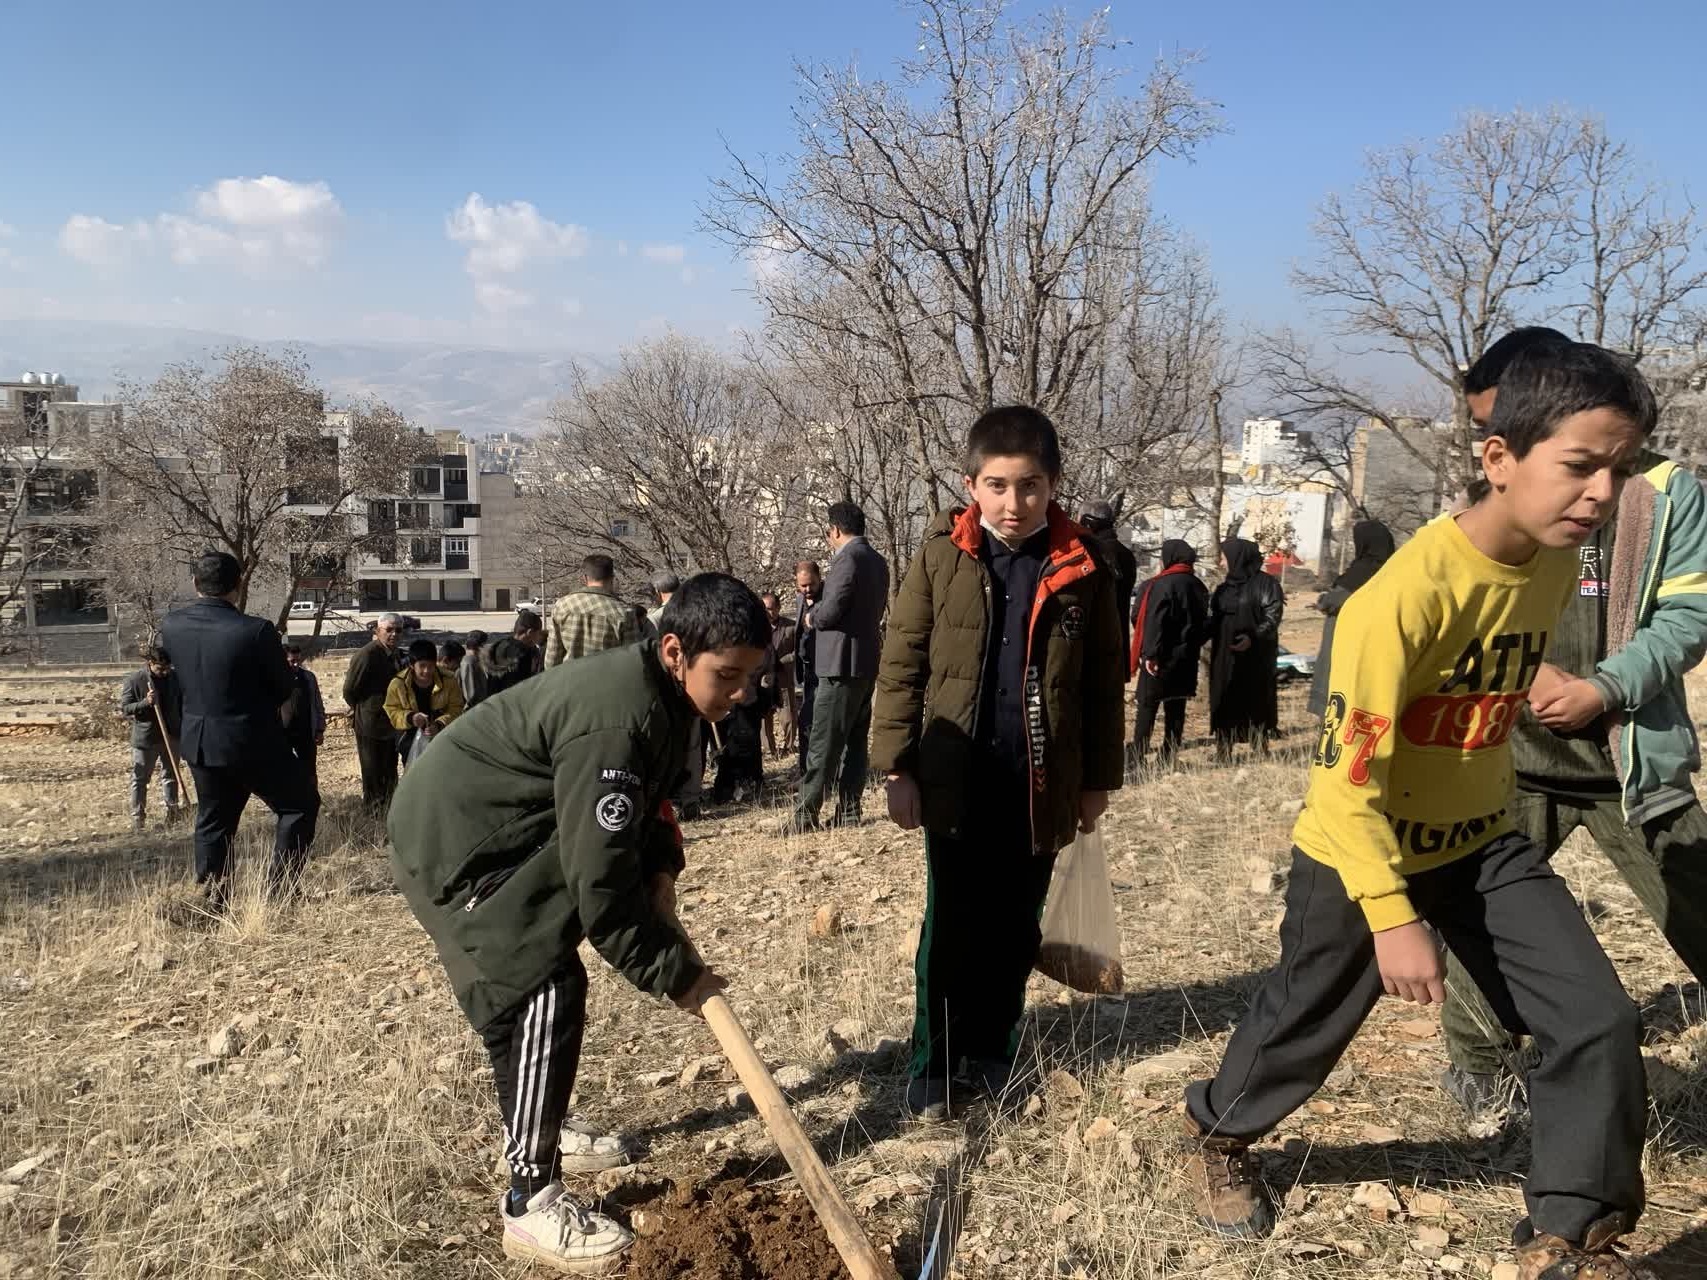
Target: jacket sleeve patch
(614, 811)
(619, 777)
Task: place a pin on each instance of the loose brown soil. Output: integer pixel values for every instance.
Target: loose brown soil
(729, 1231)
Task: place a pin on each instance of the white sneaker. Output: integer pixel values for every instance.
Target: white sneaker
(556, 1232)
(584, 1148)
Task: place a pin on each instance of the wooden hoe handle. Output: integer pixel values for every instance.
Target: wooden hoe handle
(845, 1233)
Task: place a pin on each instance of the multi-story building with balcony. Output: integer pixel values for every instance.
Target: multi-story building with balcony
(53, 599)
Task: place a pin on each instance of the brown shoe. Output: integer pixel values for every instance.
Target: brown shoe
(1547, 1257)
(1227, 1185)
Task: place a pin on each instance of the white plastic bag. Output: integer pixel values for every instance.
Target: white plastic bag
(416, 749)
(1081, 937)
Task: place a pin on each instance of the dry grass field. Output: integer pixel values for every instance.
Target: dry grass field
(290, 1091)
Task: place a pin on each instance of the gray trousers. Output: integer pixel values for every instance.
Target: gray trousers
(1663, 861)
(142, 763)
(1517, 929)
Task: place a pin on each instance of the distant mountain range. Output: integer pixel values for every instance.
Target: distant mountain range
(473, 389)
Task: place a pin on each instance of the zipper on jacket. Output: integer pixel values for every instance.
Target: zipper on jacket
(493, 881)
(983, 648)
(1650, 598)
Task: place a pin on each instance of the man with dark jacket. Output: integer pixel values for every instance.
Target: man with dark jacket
(235, 680)
(808, 587)
(365, 683)
(515, 658)
(543, 820)
(1099, 518)
(304, 715)
(846, 626)
(1169, 631)
(152, 696)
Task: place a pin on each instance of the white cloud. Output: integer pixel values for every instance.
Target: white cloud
(689, 275)
(670, 253)
(99, 243)
(622, 248)
(768, 259)
(500, 298)
(7, 230)
(504, 238)
(259, 226)
(572, 306)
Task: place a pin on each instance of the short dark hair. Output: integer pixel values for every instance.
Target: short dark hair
(451, 652)
(294, 648)
(475, 639)
(715, 611)
(504, 657)
(156, 653)
(811, 566)
(666, 582)
(423, 651)
(1549, 382)
(769, 595)
(1486, 373)
(217, 573)
(526, 620)
(598, 568)
(847, 517)
(1014, 431)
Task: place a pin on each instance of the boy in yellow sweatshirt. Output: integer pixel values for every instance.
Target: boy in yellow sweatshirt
(1405, 839)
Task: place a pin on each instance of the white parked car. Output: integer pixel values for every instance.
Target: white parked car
(303, 608)
(533, 605)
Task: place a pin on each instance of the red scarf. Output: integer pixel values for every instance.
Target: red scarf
(1144, 608)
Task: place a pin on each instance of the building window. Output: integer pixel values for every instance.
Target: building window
(424, 479)
(426, 550)
(619, 529)
(456, 475)
(71, 602)
(456, 546)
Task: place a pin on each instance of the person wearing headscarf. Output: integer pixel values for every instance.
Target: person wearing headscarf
(1169, 629)
(1372, 545)
(1245, 613)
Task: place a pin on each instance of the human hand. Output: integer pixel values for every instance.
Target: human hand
(1410, 963)
(705, 986)
(1568, 705)
(661, 889)
(419, 720)
(1547, 682)
(906, 809)
(1239, 644)
(1152, 667)
(1092, 805)
(149, 696)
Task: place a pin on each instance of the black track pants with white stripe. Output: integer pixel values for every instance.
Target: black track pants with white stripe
(534, 1052)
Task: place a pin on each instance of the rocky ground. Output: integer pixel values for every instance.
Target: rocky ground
(291, 1092)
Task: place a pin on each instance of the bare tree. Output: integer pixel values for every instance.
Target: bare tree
(977, 227)
(241, 459)
(680, 457)
(1442, 247)
(31, 487)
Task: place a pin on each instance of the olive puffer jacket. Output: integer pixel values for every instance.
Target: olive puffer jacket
(926, 708)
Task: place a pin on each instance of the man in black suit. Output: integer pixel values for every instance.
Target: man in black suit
(235, 679)
(846, 628)
(369, 675)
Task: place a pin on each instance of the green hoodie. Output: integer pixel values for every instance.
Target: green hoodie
(1656, 630)
(538, 818)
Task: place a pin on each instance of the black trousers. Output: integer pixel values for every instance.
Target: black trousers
(307, 752)
(840, 749)
(983, 900)
(1150, 700)
(741, 763)
(222, 793)
(1518, 932)
(378, 758)
(807, 703)
(535, 1050)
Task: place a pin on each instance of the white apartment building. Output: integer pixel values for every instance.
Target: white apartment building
(50, 497)
(1271, 442)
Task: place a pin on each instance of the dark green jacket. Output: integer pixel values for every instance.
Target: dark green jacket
(537, 819)
(924, 718)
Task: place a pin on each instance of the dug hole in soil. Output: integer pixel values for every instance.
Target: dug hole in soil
(726, 1230)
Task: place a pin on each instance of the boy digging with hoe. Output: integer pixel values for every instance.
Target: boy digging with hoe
(1406, 826)
(541, 818)
(999, 724)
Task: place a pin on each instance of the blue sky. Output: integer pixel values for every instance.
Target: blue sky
(529, 174)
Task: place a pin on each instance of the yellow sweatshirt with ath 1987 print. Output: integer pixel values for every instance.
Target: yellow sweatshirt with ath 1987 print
(1433, 657)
